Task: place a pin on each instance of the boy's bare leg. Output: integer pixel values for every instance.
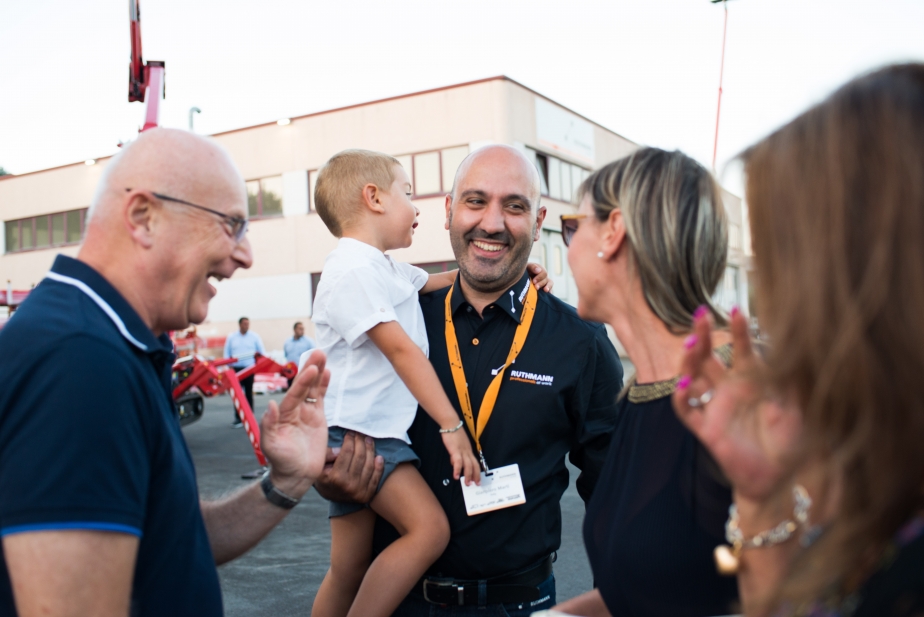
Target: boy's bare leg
(410, 506)
(350, 554)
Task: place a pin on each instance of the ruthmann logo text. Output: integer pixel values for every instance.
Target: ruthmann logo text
(533, 378)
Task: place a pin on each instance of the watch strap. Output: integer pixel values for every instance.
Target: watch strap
(274, 495)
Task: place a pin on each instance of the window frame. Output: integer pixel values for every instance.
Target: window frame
(260, 216)
(545, 173)
(439, 157)
(32, 221)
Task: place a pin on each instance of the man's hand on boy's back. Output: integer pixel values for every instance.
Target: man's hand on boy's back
(352, 472)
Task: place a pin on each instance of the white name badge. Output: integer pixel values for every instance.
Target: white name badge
(502, 488)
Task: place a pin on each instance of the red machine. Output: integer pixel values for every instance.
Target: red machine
(145, 79)
(196, 378)
(11, 298)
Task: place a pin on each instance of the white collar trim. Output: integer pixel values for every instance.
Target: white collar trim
(101, 303)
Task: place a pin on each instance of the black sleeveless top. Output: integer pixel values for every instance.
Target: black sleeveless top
(657, 513)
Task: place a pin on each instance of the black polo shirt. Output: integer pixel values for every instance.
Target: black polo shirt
(559, 397)
(90, 439)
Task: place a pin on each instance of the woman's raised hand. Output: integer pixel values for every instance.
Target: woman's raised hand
(751, 435)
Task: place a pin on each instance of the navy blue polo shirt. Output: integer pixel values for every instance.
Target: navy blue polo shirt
(90, 440)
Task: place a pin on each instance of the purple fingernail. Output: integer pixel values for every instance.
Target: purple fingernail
(701, 312)
(734, 310)
(690, 341)
(684, 382)
(335, 451)
(368, 439)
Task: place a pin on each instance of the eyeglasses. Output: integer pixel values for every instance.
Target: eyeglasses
(237, 224)
(569, 226)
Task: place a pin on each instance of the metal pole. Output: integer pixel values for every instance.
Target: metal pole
(193, 110)
(718, 111)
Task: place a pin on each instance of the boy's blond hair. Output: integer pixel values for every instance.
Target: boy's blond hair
(338, 189)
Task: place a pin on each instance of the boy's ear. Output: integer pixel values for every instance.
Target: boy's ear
(372, 198)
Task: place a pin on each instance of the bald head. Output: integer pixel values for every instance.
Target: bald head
(171, 162)
(147, 240)
(501, 157)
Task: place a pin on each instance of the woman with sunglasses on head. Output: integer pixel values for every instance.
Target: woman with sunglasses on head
(647, 249)
(823, 443)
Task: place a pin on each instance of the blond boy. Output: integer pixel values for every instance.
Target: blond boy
(369, 323)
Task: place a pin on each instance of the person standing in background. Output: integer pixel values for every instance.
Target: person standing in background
(243, 345)
(296, 345)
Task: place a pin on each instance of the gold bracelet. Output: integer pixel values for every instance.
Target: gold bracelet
(727, 557)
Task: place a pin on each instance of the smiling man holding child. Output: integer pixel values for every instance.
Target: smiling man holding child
(368, 321)
(488, 320)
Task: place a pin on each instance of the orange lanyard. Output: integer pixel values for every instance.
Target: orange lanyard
(458, 371)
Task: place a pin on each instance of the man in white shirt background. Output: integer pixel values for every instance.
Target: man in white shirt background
(243, 345)
(297, 344)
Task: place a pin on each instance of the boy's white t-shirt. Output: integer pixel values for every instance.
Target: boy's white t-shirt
(360, 288)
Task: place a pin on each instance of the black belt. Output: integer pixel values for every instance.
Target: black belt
(522, 586)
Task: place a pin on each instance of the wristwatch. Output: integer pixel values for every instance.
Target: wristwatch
(274, 495)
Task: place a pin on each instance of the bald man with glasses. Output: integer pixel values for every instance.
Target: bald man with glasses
(100, 513)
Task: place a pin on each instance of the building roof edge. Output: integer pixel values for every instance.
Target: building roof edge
(363, 104)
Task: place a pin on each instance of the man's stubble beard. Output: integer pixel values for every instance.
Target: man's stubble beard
(502, 275)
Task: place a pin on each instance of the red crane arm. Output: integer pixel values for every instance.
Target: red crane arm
(145, 79)
(137, 79)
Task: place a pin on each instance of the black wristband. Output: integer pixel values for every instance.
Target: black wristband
(274, 495)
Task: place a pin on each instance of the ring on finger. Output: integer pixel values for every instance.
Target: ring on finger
(311, 400)
(701, 400)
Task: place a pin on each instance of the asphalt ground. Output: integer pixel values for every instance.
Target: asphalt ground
(282, 574)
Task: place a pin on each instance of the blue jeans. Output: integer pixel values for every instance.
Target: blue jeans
(415, 606)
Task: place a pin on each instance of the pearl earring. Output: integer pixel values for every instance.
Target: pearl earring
(600, 254)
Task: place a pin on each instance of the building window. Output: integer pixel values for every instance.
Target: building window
(312, 184)
(734, 236)
(264, 197)
(315, 279)
(726, 296)
(451, 159)
(558, 179)
(45, 231)
(432, 173)
(427, 173)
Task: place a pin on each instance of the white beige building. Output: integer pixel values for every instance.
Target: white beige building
(429, 132)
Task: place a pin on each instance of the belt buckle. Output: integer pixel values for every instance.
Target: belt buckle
(459, 588)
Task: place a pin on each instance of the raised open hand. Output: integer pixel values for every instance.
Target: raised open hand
(293, 435)
(750, 434)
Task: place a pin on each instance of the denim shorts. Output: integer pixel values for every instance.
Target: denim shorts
(394, 451)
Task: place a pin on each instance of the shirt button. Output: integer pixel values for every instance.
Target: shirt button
(475, 342)
(469, 309)
(446, 482)
(381, 310)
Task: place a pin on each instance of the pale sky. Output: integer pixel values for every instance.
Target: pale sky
(648, 70)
